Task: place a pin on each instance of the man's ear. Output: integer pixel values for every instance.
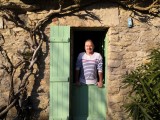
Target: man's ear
(93, 47)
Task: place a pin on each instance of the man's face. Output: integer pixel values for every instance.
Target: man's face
(89, 47)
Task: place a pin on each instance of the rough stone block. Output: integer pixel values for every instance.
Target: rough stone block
(114, 63)
(130, 55)
(1, 23)
(17, 29)
(114, 56)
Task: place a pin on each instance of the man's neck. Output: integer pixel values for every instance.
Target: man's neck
(90, 53)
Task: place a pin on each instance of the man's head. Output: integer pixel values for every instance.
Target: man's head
(89, 46)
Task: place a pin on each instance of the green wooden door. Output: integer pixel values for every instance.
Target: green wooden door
(88, 102)
(59, 72)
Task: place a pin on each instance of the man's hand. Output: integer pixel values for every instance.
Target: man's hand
(100, 84)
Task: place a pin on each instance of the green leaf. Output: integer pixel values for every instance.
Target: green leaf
(145, 113)
(145, 91)
(156, 88)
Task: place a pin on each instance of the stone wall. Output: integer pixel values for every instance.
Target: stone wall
(127, 48)
(39, 89)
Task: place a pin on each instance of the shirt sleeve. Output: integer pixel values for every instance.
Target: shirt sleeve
(100, 63)
(79, 62)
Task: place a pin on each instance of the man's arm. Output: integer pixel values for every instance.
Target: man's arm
(100, 82)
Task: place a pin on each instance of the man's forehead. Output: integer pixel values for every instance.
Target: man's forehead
(88, 42)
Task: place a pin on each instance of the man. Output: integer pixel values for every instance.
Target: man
(88, 64)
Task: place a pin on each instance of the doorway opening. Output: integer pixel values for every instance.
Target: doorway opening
(87, 102)
(78, 38)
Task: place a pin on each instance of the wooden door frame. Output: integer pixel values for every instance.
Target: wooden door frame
(72, 55)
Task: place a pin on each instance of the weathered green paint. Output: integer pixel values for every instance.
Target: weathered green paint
(60, 61)
(59, 72)
(59, 100)
(60, 34)
(88, 102)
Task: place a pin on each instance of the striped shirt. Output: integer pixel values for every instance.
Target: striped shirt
(88, 66)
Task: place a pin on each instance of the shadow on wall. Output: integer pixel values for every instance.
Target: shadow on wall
(90, 12)
(37, 91)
